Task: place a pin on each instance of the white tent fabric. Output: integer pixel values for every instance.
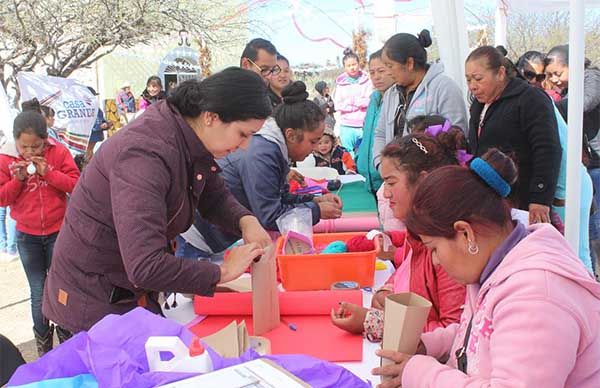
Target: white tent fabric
(543, 5)
(451, 32)
(575, 119)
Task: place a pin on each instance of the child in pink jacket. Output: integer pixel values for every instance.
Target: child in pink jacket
(532, 311)
(351, 97)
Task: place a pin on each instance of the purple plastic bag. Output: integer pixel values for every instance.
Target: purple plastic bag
(113, 351)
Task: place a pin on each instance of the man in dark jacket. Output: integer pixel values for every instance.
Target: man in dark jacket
(140, 191)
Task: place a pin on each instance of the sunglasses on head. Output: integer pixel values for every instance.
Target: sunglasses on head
(532, 74)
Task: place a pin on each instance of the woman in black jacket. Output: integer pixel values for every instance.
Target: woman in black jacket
(518, 119)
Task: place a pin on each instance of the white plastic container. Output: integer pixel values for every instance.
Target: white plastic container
(194, 359)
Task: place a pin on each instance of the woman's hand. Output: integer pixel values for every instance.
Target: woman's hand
(538, 213)
(378, 301)
(393, 371)
(41, 165)
(349, 317)
(253, 232)
(330, 198)
(238, 261)
(19, 170)
(294, 175)
(329, 210)
(382, 254)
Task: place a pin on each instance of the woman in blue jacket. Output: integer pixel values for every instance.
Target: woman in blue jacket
(257, 176)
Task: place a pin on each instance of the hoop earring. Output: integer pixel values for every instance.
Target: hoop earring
(473, 248)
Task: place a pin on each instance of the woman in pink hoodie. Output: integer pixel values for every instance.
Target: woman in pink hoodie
(532, 311)
(351, 98)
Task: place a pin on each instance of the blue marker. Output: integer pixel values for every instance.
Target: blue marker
(290, 325)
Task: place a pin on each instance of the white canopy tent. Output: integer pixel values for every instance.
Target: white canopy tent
(450, 27)
(576, 67)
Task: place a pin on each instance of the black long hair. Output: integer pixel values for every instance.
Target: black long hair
(234, 94)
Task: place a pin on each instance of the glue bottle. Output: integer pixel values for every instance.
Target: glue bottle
(194, 359)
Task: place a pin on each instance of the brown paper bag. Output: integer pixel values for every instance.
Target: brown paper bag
(404, 318)
(265, 295)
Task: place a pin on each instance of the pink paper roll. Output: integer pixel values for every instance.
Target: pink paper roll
(290, 302)
(347, 224)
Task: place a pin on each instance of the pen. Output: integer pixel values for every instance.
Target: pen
(290, 325)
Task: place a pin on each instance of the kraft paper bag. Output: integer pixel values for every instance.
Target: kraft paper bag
(404, 319)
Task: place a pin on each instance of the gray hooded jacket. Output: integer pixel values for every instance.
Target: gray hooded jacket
(437, 94)
(257, 177)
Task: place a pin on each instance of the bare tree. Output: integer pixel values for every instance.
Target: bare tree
(61, 36)
(534, 31)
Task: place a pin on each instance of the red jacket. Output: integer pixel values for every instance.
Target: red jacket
(38, 203)
(431, 282)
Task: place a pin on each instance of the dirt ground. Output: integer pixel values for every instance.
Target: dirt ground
(15, 309)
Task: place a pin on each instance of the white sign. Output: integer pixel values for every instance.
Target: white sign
(74, 105)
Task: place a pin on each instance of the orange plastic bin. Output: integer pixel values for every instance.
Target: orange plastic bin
(320, 271)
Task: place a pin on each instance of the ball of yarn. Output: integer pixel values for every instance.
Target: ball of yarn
(336, 247)
(360, 244)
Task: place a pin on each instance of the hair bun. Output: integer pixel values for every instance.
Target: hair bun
(31, 105)
(294, 92)
(348, 51)
(503, 164)
(424, 38)
(502, 50)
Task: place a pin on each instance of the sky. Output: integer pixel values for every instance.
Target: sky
(333, 21)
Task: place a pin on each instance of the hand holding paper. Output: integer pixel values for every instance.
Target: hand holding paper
(238, 261)
(394, 371)
(405, 317)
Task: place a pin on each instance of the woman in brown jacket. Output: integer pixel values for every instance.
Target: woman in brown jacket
(140, 190)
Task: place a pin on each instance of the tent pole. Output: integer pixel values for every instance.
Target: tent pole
(575, 120)
(500, 34)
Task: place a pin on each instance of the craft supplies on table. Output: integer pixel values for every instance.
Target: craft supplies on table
(320, 271)
(308, 312)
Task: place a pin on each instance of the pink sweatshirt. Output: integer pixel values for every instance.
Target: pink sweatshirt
(536, 324)
(351, 98)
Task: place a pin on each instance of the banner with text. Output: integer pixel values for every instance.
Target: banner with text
(74, 105)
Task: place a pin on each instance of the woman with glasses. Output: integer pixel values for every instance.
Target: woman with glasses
(557, 74)
(351, 99)
(531, 67)
(509, 114)
(36, 174)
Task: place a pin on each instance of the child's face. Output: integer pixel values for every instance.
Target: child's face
(30, 145)
(325, 144)
(351, 67)
(153, 89)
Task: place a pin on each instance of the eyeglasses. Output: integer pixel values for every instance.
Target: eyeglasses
(266, 72)
(532, 74)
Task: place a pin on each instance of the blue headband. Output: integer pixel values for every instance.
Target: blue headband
(490, 176)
